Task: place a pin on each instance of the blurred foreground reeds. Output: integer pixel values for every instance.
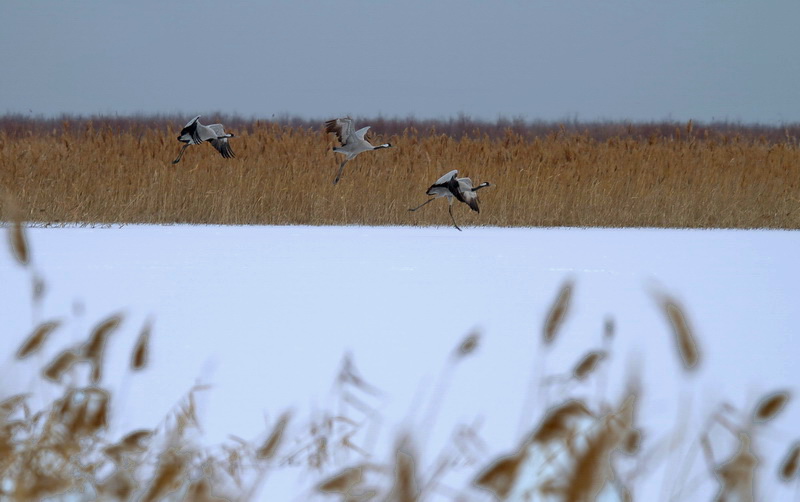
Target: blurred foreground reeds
(107, 170)
(575, 449)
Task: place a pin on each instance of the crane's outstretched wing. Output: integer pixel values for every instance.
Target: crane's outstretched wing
(218, 129)
(223, 147)
(447, 177)
(191, 122)
(191, 130)
(471, 199)
(342, 127)
(362, 133)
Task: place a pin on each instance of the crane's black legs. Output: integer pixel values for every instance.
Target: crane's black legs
(178, 159)
(415, 208)
(450, 208)
(339, 174)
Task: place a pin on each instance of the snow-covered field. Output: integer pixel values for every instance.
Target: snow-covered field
(266, 314)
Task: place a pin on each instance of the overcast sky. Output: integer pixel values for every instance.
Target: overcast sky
(612, 59)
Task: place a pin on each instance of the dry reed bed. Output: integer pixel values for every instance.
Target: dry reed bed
(283, 175)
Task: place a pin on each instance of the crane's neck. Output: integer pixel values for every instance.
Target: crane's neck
(482, 185)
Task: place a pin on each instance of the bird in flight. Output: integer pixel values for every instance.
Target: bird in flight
(194, 133)
(455, 188)
(353, 142)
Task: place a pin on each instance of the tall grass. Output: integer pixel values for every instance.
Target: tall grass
(611, 175)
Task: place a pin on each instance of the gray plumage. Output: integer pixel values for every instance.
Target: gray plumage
(194, 133)
(352, 142)
(452, 187)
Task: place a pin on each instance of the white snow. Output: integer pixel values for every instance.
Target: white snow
(265, 315)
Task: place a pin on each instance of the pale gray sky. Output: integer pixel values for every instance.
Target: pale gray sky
(612, 59)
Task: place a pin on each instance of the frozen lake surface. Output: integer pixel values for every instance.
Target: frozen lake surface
(266, 314)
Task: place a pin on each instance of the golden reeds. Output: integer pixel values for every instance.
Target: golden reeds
(201, 490)
(132, 443)
(588, 363)
(737, 475)
(19, 243)
(632, 442)
(60, 365)
(282, 175)
(558, 312)
(591, 469)
(343, 482)
(16, 236)
(273, 441)
(568, 455)
(10, 404)
(169, 475)
(141, 351)
(790, 466)
(36, 339)
(559, 421)
(92, 350)
(684, 337)
(500, 475)
(405, 487)
(770, 405)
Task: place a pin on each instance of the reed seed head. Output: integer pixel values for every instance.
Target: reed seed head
(770, 406)
(588, 364)
(790, 466)
(93, 349)
(468, 345)
(685, 339)
(36, 340)
(273, 441)
(19, 243)
(141, 351)
(343, 482)
(558, 312)
(60, 365)
(500, 476)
